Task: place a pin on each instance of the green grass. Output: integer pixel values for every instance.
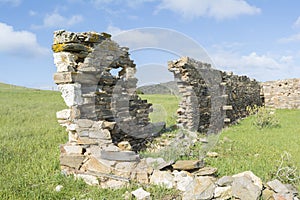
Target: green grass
(29, 150)
(30, 138)
(164, 108)
(246, 147)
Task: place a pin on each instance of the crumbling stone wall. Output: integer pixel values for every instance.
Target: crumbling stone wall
(106, 121)
(282, 93)
(211, 97)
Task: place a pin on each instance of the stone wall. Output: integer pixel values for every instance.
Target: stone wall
(106, 121)
(282, 93)
(211, 98)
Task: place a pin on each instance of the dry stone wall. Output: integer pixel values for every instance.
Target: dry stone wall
(211, 98)
(106, 121)
(282, 93)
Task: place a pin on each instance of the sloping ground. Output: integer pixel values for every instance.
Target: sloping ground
(30, 138)
(29, 150)
(161, 88)
(263, 151)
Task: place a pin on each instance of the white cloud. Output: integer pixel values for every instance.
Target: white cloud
(297, 23)
(263, 67)
(19, 43)
(55, 20)
(292, 38)
(218, 9)
(133, 39)
(129, 3)
(12, 2)
(113, 30)
(32, 13)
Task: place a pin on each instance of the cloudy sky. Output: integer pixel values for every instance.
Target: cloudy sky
(258, 38)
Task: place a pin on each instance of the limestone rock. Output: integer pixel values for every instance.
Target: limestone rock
(124, 169)
(73, 161)
(100, 134)
(71, 94)
(58, 188)
(164, 178)
(65, 61)
(246, 186)
(95, 165)
(183, 180)
(268, 194)
(113, 184)
(71, 149)
(188, 164)
(120, 156)
(225, 181)
(212, 154)
(277, 186)
(206, 171)
(223, 193)
(158, 163)
(201, 188)
(125, 146)
(109, 125)
(278, 196)
(141, 194)
(63, 114)
(84, 123)
(89, 179)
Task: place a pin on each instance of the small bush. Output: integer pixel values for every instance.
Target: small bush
(263, 117)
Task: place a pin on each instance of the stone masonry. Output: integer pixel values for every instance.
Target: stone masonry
(108, 123)
(211, 98)
(282, 93)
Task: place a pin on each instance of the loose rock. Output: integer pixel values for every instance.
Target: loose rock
(141, 194)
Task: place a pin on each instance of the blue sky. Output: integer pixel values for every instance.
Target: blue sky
(258, 38)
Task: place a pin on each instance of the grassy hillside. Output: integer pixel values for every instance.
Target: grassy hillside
(161, 88)
(264, 151)
(164, 108)
(29, 150)
(30, 139)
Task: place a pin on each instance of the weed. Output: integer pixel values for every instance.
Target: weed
(264, 117)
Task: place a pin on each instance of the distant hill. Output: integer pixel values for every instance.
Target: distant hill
(161, 88)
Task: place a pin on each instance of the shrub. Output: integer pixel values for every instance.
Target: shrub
(263, 117)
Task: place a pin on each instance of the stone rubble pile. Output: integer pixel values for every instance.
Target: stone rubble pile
(282, 93)
(244, 186)
(211, 98)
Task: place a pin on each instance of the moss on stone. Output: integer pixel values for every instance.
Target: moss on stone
(58, 47)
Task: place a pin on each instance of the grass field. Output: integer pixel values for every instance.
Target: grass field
(30, 138)
(164, 108)
(29, 150)
(244, 147)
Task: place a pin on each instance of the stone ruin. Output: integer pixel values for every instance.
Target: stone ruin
(282, 94)
(108, 123)
(211, 98)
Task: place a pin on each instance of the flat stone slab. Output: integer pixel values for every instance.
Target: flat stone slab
(277, 186)
(188, 164)
(129, 156)
(206, 171)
